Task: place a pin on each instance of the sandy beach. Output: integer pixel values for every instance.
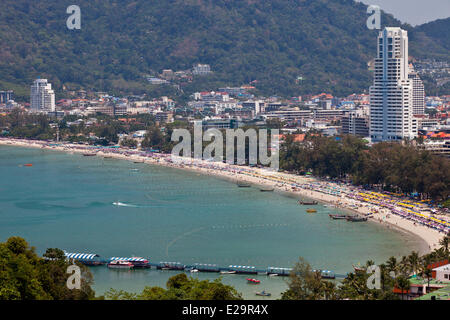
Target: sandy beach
(332, 194)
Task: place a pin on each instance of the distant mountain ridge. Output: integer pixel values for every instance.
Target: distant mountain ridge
(326, 42)
(438, 31)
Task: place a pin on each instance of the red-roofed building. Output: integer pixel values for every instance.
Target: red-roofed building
(437, 264)
(298, 137)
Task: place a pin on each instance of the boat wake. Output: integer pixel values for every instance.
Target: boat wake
(171, 243)
(128, 205)
(121, 204)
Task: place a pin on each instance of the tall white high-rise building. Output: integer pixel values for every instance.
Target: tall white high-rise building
(391, 95)
(42, 96)
(418, 93)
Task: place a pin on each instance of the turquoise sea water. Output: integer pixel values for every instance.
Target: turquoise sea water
(66, 201)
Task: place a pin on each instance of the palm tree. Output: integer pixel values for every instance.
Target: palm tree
(444, 242)
(392, 264)
(414, 261)
(370, 263)
(403, 284)
(329, 290)
(428, 273)
(354, 286)
(440, 254)
(404, 266)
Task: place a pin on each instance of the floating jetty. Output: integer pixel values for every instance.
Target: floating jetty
(243, 269)
(92, 259)
(326, 274)
(172, 266)
(89, 259)
(279, 271)
(206, 267)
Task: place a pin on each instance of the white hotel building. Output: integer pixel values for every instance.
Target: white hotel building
(42, 96)
(391, 96)
(418, 93)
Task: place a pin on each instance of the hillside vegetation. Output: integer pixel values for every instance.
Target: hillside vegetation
(324, 41)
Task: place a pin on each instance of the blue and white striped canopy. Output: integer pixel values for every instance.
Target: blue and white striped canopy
(280, 269)
(81, 256)
(128, 259)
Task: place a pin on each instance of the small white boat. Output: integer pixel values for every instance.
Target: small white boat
(227, 272)
(120, 264)
(193, 270)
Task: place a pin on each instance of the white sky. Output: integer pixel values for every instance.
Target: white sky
(414, 12)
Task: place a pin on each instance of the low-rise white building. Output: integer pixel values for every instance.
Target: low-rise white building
(442, 273)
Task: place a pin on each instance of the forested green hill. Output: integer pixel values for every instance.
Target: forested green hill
(273, 41)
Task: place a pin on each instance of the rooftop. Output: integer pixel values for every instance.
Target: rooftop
(443, 268)
(441, 294)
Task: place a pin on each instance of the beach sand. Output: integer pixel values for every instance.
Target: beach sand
(262, 177)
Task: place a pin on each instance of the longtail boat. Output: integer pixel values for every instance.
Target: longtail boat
(308, 203)
(338, 216)
(356, 218)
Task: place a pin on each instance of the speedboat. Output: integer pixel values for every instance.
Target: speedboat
(253, 281)
(263, 294)
(120, 264)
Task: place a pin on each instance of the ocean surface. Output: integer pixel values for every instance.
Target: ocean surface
(67, 201)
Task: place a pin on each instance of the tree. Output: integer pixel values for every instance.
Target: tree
(392, 264)
(180, 287)
(444, 242)
(26, 276)
(306, 284)
(153, 139)
(129, 143)
(402, 282)
(414, 261)
(427, 273)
